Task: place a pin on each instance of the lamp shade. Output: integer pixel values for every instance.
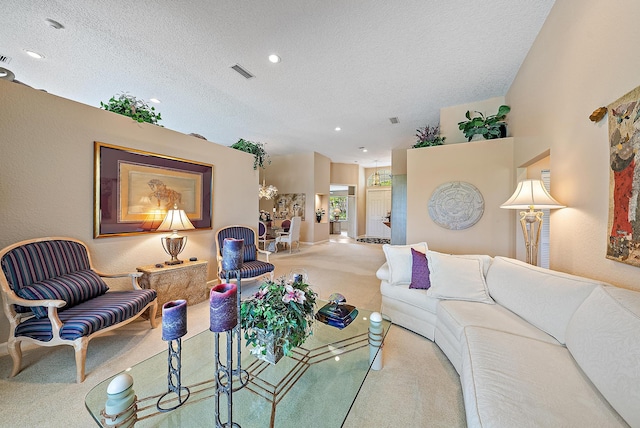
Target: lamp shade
(531, 194)
(176, 220)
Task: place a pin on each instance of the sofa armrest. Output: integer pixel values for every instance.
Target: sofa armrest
(49, 303)
(266, 253)
(383, 273)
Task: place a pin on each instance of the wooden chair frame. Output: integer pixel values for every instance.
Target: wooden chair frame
(10, 298)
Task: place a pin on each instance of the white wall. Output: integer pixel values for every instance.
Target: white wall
(584, 57)
(46, 178)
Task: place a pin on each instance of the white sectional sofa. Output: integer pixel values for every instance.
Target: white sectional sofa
(533, 347)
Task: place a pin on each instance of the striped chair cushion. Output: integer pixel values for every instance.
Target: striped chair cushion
(91, 316)
(73, 288)
(252, 269)
(37, 261)
(239, 232)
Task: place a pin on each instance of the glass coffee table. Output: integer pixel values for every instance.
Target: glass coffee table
(318, 383)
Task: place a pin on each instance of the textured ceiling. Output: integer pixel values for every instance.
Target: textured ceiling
(347, 63)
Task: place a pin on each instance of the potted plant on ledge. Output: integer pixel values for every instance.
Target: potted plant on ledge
(130, 106)
(489, 127)
(258, 151)
(278, 318)
(428, 136)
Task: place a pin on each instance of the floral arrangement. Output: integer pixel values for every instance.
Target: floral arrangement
(265, 215)
(284, 309)
(428, 136)
(320, 212)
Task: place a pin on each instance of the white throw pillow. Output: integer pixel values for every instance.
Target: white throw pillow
(400, 261)
(457, 278)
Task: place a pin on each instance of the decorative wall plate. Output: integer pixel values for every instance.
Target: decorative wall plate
(456, 205)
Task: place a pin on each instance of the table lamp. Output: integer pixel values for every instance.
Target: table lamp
(174, 244)
(531, 195)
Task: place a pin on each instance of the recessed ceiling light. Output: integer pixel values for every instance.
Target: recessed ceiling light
(154, 100)
(338, 128)
(274, 58)
(33, 54)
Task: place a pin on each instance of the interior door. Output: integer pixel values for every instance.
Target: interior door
(378, 205)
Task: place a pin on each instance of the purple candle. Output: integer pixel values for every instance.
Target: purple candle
(223, 313)
(174, 319)
(232, 253)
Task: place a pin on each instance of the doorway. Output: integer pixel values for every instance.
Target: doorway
(378, 206)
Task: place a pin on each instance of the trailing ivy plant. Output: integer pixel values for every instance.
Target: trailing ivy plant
(428, 136)
(488, 127)
(256, 149)
(130, 106)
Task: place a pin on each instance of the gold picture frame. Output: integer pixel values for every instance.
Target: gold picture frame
(134, 189)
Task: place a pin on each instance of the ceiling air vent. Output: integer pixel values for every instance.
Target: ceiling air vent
(4, 59)
(394, 120)
(244, 73)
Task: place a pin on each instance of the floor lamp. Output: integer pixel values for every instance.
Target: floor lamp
(531, 195)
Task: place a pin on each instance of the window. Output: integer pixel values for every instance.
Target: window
(338, 205)
(385, 178)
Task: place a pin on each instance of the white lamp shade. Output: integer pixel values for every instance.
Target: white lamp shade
(531, 194)
(176, 220)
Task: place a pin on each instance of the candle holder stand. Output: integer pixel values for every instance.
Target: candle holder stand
(240, 375)
(224, 379)
(174, 373)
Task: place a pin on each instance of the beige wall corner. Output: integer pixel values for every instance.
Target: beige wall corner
(576, 65)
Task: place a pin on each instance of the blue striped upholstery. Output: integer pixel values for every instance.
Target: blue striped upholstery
(88, 317)
(37, 261)
(239, 232)
(252, 269)
(73, 288)
(251, 266)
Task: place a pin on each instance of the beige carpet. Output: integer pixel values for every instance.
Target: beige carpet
(417, 386)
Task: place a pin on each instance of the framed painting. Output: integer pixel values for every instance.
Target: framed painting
(288, 205)
(134, 189)
(624, 179)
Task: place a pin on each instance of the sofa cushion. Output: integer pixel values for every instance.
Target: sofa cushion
(455, 315)
(515, 381)
(545, 298)
(457, 277)
(604, 339)
(73, 288)
(91, 316)
(419, 271)
(399, 261)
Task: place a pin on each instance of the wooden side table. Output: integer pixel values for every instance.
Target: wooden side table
(186, 281)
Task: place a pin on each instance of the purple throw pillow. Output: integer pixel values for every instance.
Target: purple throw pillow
(419, 271)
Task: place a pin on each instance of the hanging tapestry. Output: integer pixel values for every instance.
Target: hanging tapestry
(624, 179)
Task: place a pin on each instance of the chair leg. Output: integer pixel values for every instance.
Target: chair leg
(80, 345)
(16, 355)
(153, 309)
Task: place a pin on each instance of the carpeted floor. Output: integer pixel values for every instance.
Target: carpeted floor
(417, 386)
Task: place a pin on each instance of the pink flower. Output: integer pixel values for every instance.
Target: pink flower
(261, 293)
(293, 294)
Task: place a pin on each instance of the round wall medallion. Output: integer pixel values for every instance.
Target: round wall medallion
(456, 205)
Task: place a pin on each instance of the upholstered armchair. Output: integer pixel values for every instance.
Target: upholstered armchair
(293, 235)
(252, 268)
(52, 295)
